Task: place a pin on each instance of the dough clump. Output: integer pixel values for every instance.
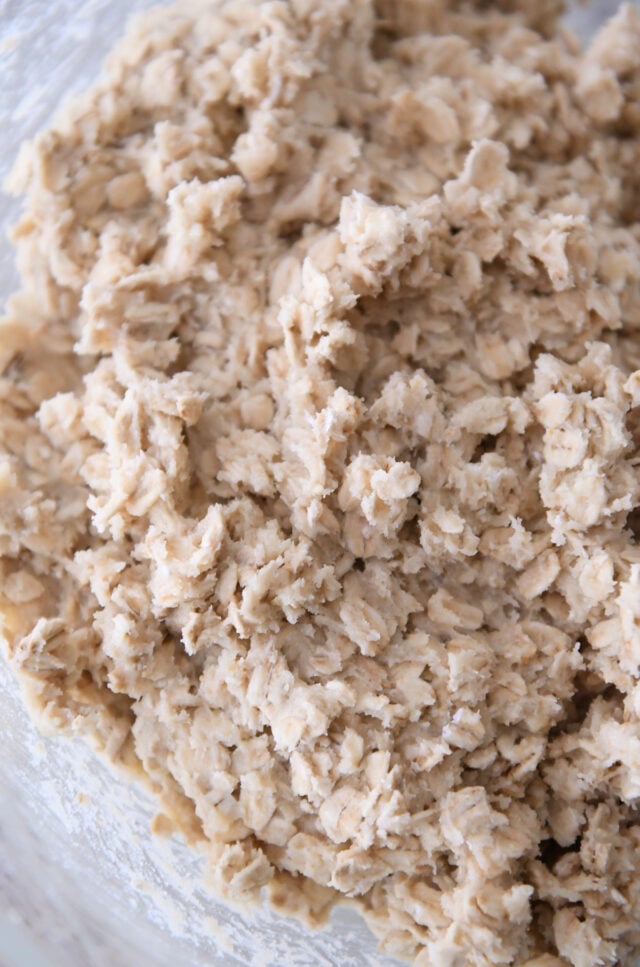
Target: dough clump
(319, 444)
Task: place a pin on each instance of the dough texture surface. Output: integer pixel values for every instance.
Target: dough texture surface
(319, 444)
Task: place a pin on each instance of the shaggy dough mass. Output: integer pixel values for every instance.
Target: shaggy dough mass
(319, 443)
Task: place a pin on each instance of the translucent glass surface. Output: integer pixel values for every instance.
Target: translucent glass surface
(82, 884)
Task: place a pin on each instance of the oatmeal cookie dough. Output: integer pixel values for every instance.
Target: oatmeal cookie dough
(319, 445)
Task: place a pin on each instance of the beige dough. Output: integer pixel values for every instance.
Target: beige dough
(319, 449)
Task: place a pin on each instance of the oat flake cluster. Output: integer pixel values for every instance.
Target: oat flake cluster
(319, 455)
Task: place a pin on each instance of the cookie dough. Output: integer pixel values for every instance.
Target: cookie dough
(319, 445)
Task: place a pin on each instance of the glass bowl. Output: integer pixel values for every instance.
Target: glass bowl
(82, 882)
